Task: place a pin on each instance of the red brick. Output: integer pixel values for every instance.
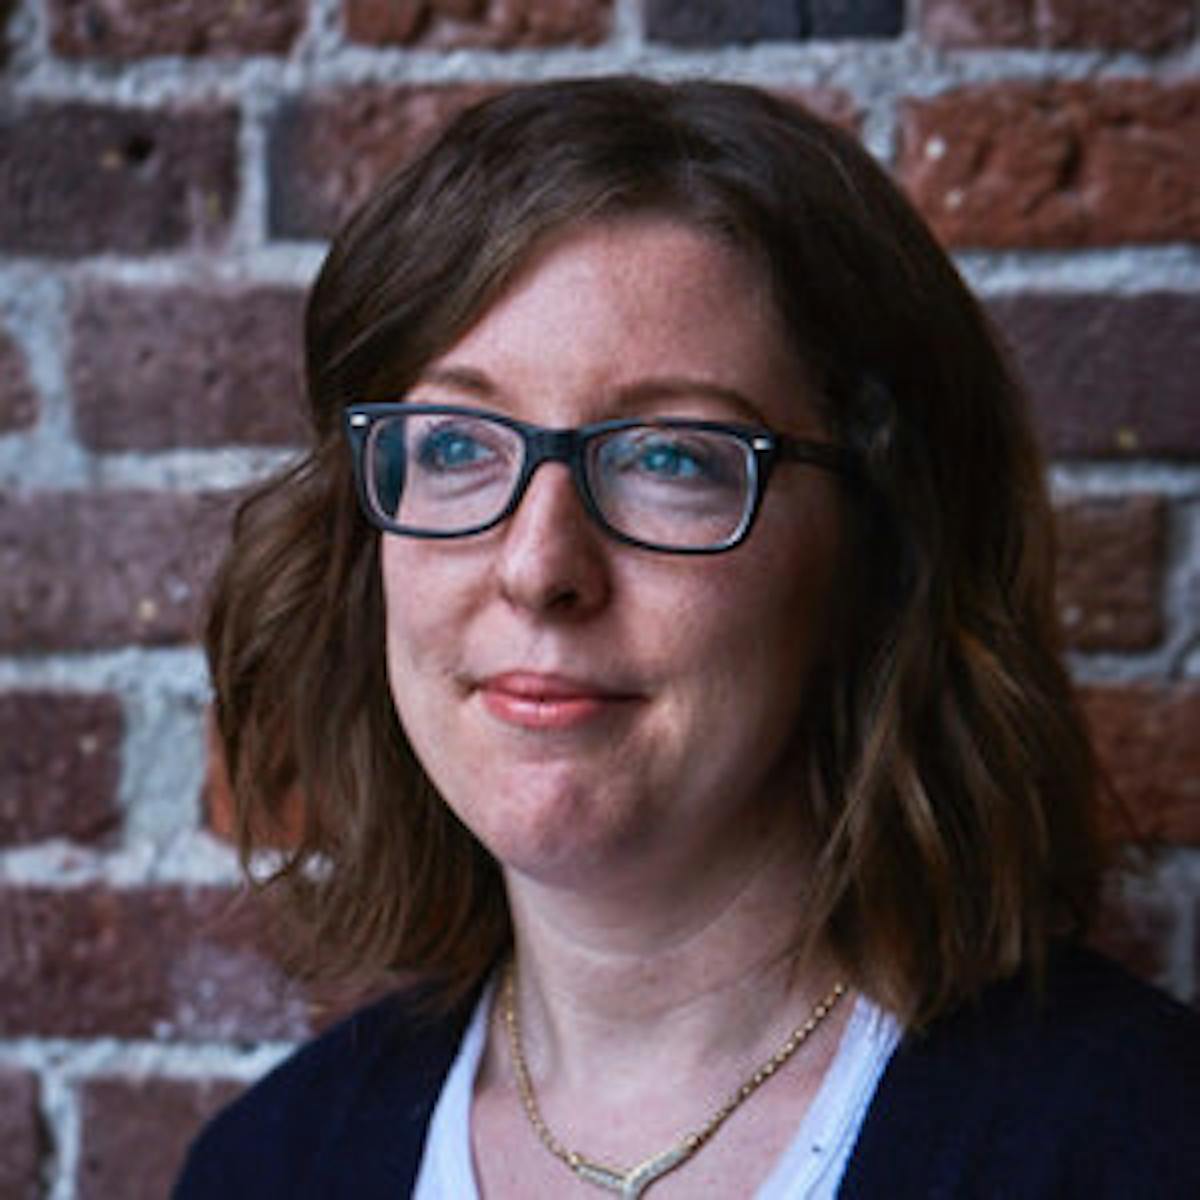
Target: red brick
(22, 1137)
(1110, 376)
(329, 152)
(123, 29)
(446, 24)
(1143, 25)
(977, 22)
(147, 1121)
(18, 401)
(1056, 164)
(161, 367)
(171, 963)
(61, 766)
(1146, 737)
(1110, 571)
(78, 178)
(82, 570)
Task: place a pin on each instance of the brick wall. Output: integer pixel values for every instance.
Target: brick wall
(168, 175)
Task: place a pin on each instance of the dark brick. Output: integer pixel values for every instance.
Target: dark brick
(18, 401)
(1111, 376)
(1143, 25)
(855, 18)
(1056, 164)
(22, 1136)
(83, 570)
(329, 152)
(124, 29)
(721, 22)
(79, 178)
(1110, 572)
(170, 963)
(161, 367)
(452, 24)
(147, 1121)
(61, 766)
(1145, 736)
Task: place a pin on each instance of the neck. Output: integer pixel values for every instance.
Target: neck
(684, 969)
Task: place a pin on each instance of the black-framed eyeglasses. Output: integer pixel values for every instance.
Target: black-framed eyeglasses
(675, 485)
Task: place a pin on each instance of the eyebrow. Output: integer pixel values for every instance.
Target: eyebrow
(632, 396)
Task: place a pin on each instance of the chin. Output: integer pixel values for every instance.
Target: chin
(559, 840)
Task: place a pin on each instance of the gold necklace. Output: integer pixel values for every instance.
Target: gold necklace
(632, 1183)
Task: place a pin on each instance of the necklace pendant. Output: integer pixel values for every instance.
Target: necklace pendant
(631, 1184)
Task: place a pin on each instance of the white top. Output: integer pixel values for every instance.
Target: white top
(811, 1168)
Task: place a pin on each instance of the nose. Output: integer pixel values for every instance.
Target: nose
(553, 558)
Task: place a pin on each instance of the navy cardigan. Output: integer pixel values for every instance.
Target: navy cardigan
(1092, 1091)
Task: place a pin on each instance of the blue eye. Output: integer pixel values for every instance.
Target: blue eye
(691, 457)
(670, 460)
(450, 449)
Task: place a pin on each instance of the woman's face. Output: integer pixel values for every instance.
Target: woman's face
(591, 709)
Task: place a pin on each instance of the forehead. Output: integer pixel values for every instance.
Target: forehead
(603, 305)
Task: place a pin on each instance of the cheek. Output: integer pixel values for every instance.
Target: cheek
(420, 617)
(777, 614)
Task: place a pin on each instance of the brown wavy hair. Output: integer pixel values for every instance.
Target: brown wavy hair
(952, 785)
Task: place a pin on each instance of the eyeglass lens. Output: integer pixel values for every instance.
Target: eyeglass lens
(447, 473)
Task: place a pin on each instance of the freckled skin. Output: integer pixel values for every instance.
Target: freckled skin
(708, 654)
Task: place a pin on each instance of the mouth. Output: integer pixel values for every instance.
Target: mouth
(532, 700)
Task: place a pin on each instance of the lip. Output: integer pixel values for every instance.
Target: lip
(534, 700)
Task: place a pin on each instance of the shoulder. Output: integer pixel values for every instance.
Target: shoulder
(343, 1116)
(1088, 1088)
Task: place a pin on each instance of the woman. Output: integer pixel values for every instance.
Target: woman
(664, 664)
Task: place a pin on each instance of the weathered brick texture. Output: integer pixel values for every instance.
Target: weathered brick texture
(153, 368)
(22, 1139)
(123, 29)
(1056, 164)
(171, 963)
(719, 22)
(1110, 572)
(147, 1121)
(88, 570)
(1143, 25)
(156, 320)
(60, 766)
(18, 400)
(1146, 738)
(1111, 376)
(329, 152)
(452, 24)
(78, 178)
